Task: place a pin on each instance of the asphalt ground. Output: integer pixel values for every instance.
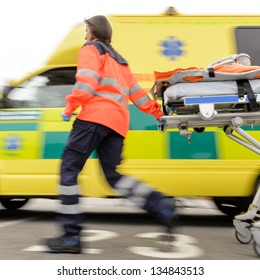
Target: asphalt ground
(117, 230)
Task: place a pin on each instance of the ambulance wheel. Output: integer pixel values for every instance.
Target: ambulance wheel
(256, 248)
(232, 206)
(13, 203)
(244, 239)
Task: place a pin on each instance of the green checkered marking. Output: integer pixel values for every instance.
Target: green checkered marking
(249, 128)
(202, 146)
(140, 120)
(18, 126)
(54, 143)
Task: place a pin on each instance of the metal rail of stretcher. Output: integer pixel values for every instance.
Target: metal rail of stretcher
(247, 225)
(229, 121)
(209, 117)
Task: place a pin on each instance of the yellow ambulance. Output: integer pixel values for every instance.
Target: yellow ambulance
(32, 134)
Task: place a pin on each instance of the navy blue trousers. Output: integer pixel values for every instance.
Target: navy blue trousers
(85, 137)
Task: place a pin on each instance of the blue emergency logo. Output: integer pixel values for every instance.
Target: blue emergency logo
(172, 48)
(13, 143)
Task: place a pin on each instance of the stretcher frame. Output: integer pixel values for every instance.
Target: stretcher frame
(229, 122)
(247, 225)
(208, 116)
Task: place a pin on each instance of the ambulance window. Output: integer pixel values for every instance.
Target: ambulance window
(248, 41)
(46, 90)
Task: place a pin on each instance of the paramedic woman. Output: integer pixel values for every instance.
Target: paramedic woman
(104, 85)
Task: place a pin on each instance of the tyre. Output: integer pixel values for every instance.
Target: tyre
(233, 206)
(13, 203)
(256, 248)
(246, 239)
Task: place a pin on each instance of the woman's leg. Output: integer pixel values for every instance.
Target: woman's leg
(143, 195)
(82, 141)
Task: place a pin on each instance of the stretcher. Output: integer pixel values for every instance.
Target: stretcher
(229, 103)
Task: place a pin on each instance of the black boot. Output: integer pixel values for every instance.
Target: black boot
(163, 209)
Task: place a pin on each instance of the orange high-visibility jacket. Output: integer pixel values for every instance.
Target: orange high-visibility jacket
(104, 85)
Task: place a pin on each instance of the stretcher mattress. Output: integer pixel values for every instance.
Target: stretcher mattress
(180, 90)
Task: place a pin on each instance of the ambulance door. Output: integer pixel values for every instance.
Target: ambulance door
(32, 135)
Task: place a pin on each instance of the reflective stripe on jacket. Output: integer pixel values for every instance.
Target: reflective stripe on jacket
(104, 85)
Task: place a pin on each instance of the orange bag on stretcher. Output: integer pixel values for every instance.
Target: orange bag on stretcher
(223, 71)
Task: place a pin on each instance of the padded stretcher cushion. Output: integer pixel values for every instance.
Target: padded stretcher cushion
(181, 90)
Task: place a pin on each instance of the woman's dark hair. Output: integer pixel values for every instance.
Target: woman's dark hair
(100, 28)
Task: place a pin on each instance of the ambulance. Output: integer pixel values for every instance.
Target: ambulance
(33, 135)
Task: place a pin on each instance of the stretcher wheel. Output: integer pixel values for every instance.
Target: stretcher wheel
(228, 128)
(244, 239)
(256, 248)
(199, 129)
